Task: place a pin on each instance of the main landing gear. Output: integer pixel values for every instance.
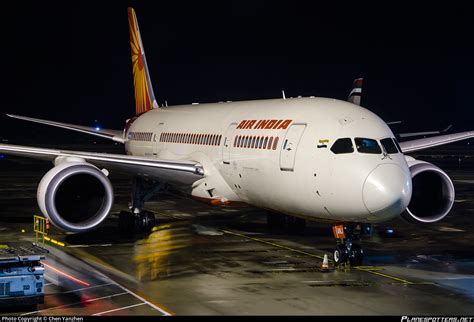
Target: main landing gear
(139, 220)
(347, 249)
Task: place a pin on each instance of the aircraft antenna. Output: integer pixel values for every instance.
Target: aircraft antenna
(283, 94)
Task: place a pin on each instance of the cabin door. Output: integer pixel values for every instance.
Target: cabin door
(228, 143)
(290, 146)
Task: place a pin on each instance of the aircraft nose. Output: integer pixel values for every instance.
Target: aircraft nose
(387, 190)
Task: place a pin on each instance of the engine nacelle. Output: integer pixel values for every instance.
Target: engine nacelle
(433, 193)
(75, 196)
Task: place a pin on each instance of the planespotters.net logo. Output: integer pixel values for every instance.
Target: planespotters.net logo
(437, 319)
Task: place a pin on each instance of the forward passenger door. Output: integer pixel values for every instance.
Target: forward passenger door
(290, 146)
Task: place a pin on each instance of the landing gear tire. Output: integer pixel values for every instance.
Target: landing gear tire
(142, 222)
(357, 255)
(145, 221)
(340, 255)
(126, 221)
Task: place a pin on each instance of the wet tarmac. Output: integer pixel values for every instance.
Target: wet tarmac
(202, 259)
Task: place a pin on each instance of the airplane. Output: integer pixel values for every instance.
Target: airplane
(300, 159)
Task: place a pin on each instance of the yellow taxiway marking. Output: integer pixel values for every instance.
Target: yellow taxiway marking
(368, 269)
(273, 244)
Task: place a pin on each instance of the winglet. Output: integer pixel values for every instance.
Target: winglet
(356, 92)
(144, 96)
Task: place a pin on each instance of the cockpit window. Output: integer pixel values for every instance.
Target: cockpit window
(342, 146)
(389, 146)
(367, 146)
(398, 145)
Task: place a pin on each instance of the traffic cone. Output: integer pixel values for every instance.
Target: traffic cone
(325, 264)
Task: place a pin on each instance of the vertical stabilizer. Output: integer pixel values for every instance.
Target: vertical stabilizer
(144, 96)
(356, 91)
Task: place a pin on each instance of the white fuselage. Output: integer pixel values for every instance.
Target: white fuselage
(299, 175)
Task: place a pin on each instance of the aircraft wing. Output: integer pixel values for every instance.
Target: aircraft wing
(406, 135)
(114, 135)
(425, 143)
(180, 171)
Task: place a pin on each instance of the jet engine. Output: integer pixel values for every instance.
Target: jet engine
(76, 196)
(433, 193)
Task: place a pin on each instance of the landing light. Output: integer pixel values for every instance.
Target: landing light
(97, 128)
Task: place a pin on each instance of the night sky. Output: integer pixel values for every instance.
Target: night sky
(70, 61)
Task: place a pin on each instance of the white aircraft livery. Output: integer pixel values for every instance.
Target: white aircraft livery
(298, 158)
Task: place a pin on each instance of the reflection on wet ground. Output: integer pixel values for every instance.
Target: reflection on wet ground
(163, 252)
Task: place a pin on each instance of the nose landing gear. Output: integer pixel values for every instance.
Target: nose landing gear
(346, 249)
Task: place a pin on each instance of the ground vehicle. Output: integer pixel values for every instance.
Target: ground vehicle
(21, 276)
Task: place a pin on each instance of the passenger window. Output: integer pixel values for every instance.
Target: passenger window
(389, 146)
(367, 146)
(275, 143)
(342, 146)
(270, 143)
(265, 143)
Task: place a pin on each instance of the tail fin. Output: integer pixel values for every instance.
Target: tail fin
(144, 96)
(356, 92)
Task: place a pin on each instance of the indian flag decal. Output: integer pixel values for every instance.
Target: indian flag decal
(323, 143)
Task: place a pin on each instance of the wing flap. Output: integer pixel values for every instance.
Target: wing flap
(180, 171)
(114, 135)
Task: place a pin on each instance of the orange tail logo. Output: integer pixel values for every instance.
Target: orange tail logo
(144, 97)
